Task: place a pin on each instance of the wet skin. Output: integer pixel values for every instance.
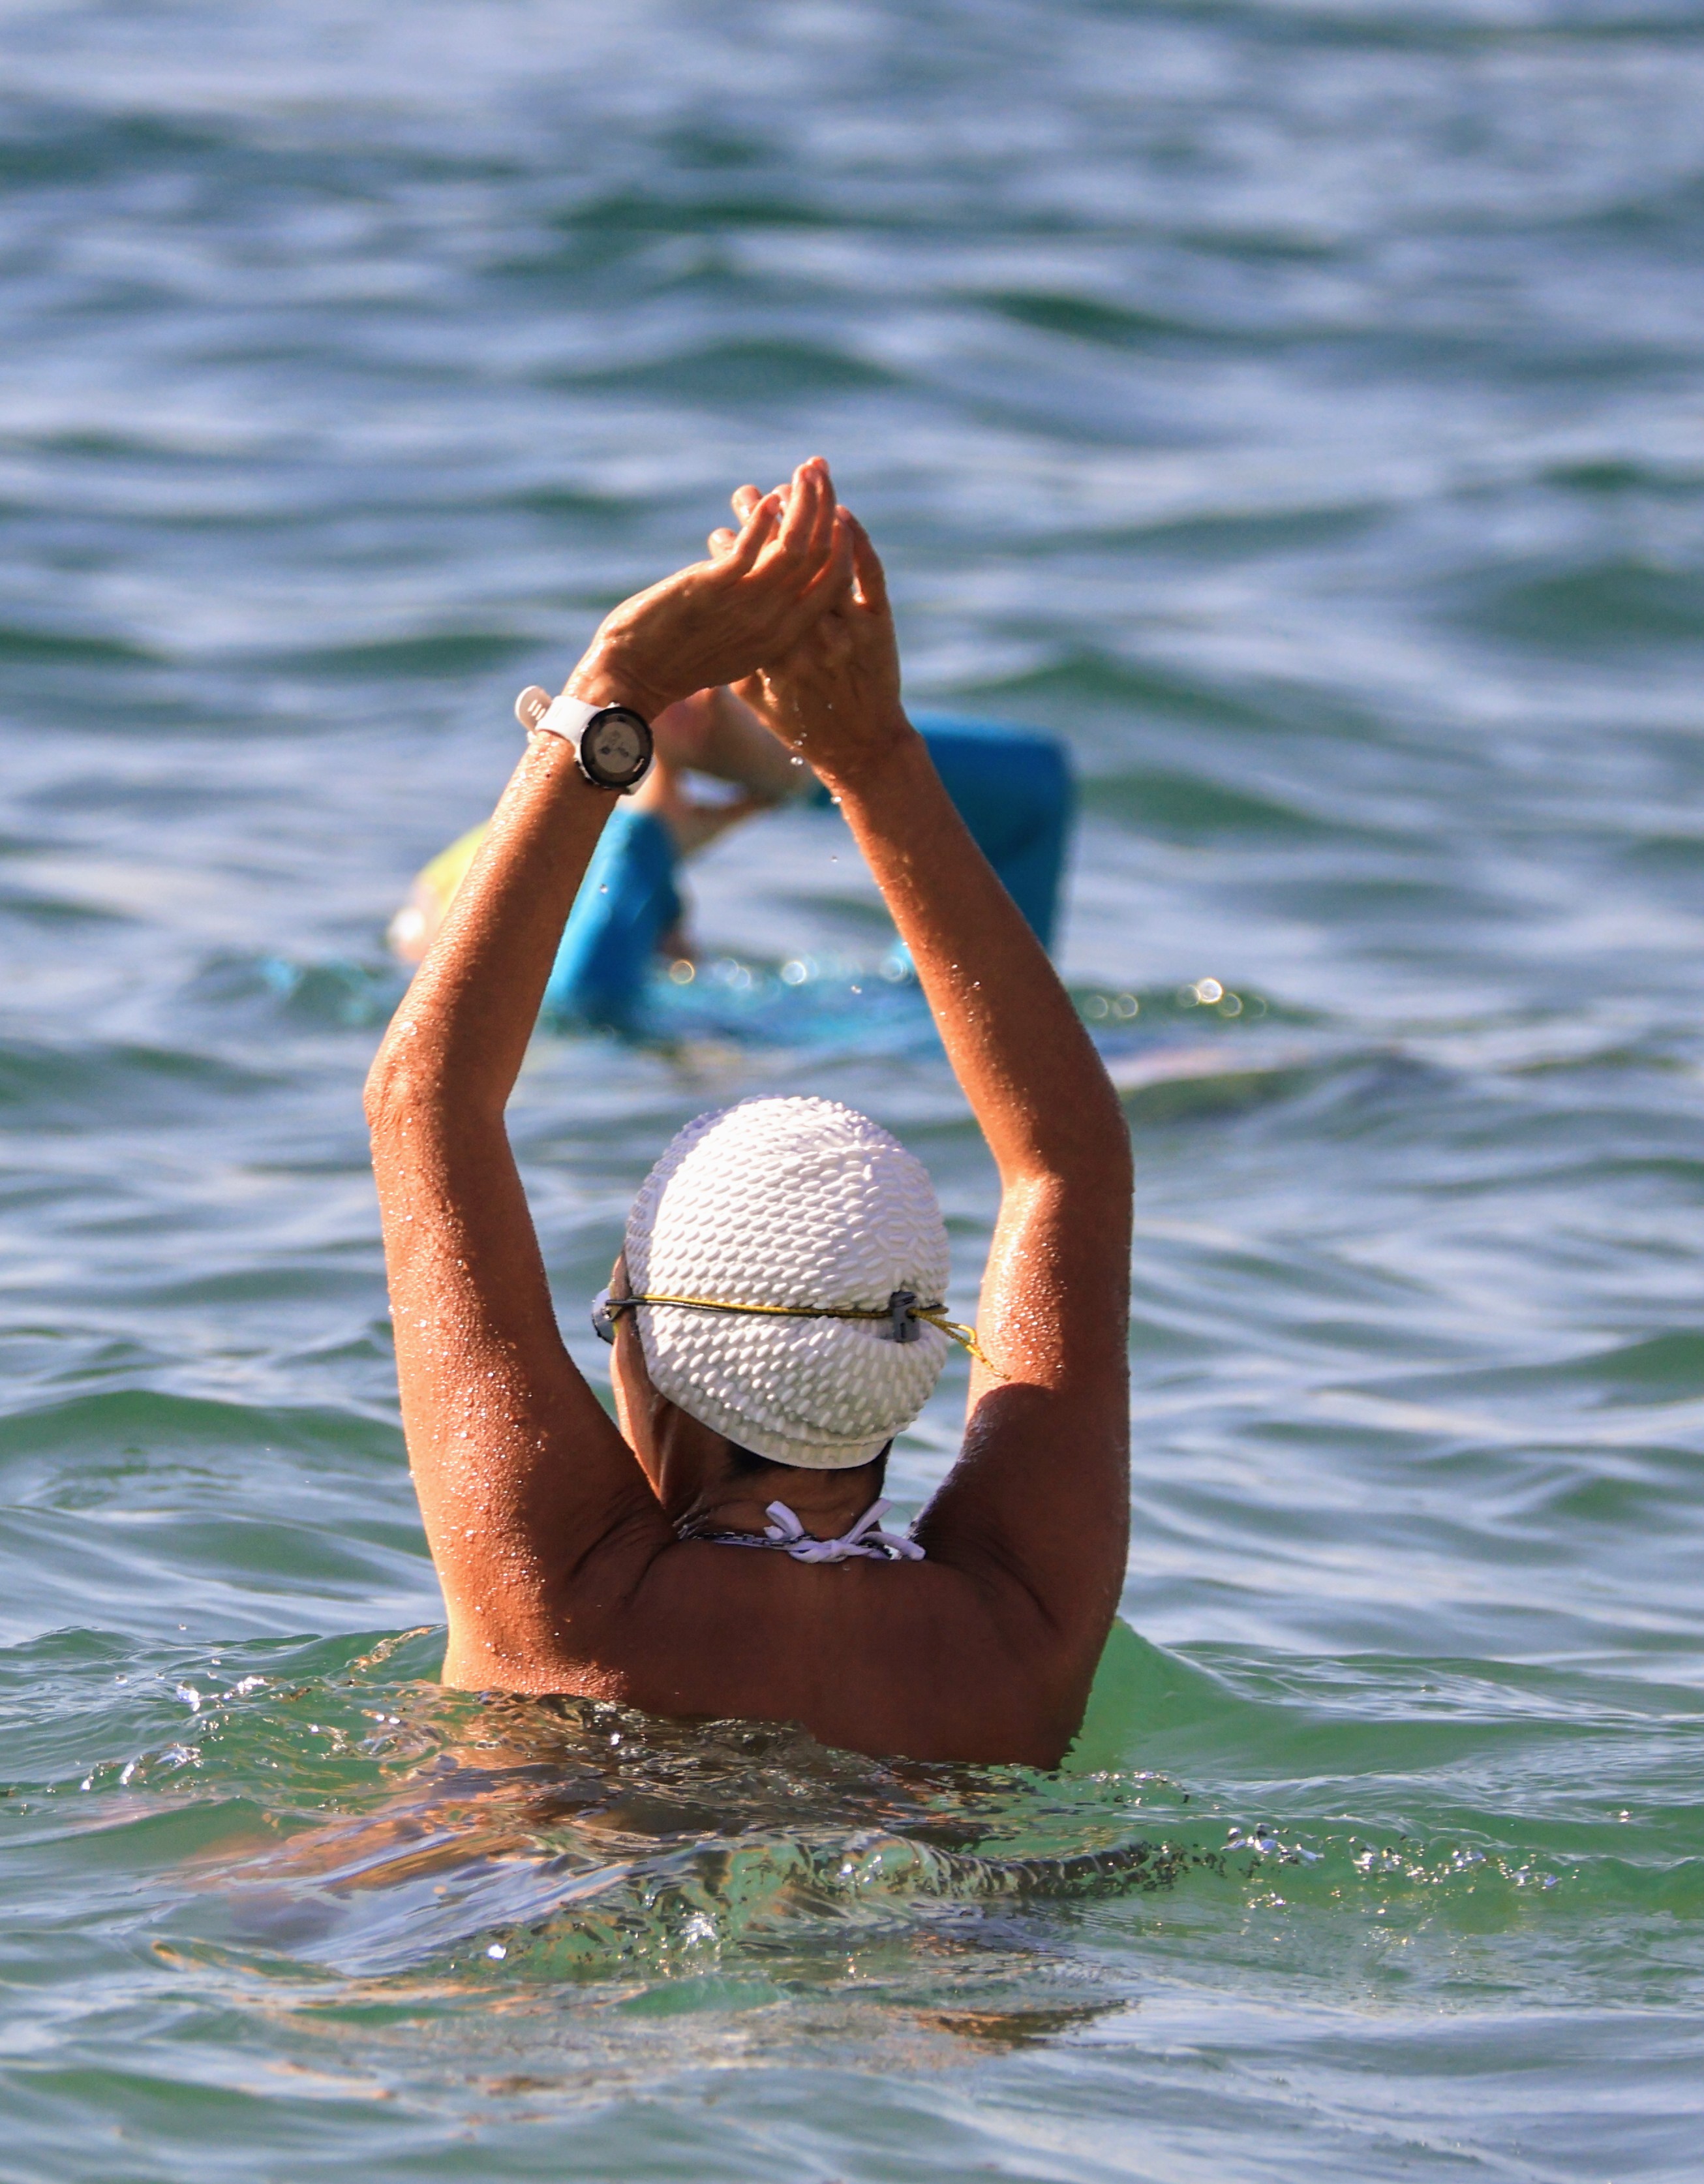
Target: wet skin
(553, 1528)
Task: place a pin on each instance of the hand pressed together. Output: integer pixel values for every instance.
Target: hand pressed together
(718, 620)
(833, 696)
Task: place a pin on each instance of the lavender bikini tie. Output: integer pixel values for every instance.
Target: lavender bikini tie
(864, 1538)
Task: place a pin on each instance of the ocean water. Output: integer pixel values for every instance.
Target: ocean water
(1297, 405)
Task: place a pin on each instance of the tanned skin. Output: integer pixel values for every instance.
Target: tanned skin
(552, 1527)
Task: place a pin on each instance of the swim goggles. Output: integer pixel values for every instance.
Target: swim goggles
(905, 1317)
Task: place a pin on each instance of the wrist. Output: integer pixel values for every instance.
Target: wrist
(602, 677)
(891, 751)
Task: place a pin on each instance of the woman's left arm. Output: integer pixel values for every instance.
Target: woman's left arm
(519, 1471)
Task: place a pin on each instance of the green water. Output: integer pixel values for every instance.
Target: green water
(1297, 407)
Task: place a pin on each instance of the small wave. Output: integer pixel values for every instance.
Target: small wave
(61, 1089)
(424, 653)
(32, 643)
(115, 1428)
(1101, 680)
(781, 369)
(646, 213)
(331, 991)
(1193, 806)
(1090, 318)
(1621, 602)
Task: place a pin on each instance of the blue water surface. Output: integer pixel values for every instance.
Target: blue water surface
(1298, 405)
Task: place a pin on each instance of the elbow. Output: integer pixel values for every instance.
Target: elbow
(1089, 1150)
(397, 1088)
(1095, 1141)
(1120, 1156)
(1112, 1151)
(414, 1088)
(1119, 1172)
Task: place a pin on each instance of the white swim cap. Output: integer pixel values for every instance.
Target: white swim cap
(790, 1202)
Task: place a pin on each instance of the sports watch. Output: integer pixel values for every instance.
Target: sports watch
(612, 743)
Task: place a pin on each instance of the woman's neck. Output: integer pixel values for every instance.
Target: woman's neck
(827, 1503)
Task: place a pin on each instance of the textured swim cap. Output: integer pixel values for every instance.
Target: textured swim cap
(789, 1202)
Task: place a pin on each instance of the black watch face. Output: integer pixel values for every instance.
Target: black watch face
(617, 747)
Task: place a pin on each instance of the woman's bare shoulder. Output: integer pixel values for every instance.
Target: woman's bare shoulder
(922, 1657)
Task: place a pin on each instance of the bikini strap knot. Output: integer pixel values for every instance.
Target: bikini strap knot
(865, 1538)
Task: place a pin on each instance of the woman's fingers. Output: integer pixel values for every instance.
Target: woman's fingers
(872, 582)
(803, 507)
(793, 560)
(755, 535)
(829, 591)
(832, 584)
(797, 498)
(821, 543)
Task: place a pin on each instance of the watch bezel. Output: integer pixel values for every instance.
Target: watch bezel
(582, 743)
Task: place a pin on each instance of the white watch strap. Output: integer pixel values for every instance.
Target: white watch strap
(569, 718)
(563, 717)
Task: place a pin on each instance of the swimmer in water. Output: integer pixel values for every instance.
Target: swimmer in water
(1012, 787)
(710, 734)
(778, 1311)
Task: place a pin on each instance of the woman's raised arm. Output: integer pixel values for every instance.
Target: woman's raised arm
(519, 1470)
(1040, 1493)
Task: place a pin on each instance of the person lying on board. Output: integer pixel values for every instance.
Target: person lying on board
(777, 1310)
(1012, 787)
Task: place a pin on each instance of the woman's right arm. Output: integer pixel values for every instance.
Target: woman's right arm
(1040, 1494)
(519, 1471)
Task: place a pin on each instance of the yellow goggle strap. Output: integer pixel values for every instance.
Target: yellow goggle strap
(900, 1308)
